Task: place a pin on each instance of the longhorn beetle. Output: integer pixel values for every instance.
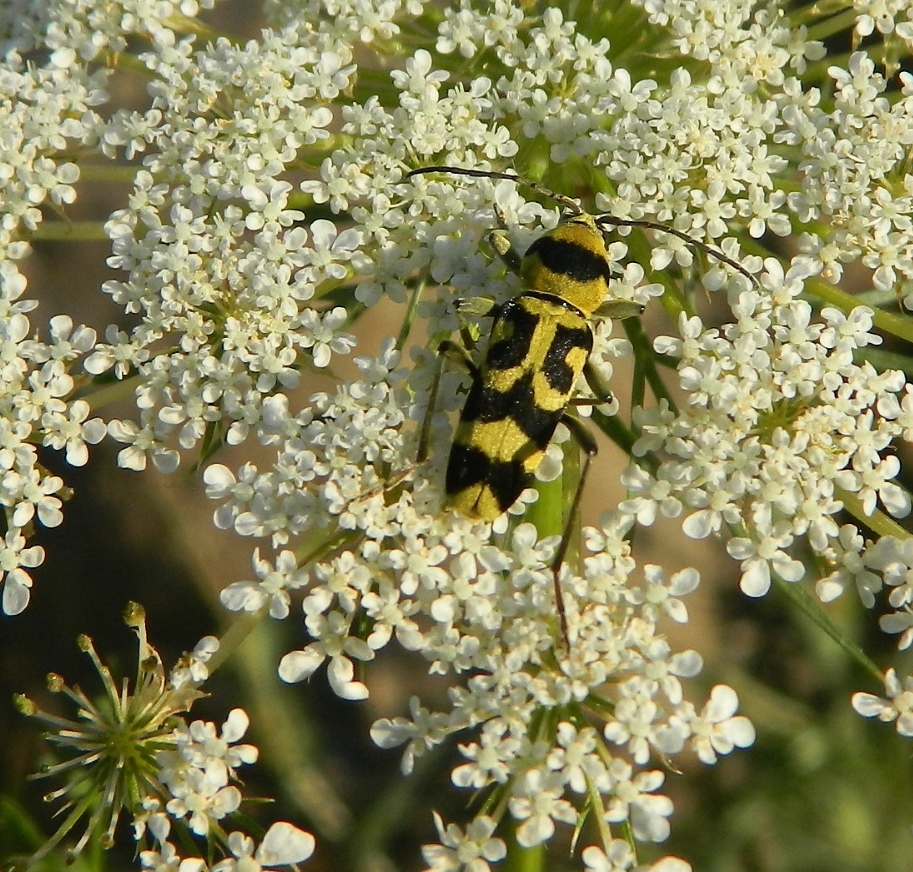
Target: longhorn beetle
(540, 343)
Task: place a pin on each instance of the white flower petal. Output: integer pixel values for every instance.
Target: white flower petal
(284, 844)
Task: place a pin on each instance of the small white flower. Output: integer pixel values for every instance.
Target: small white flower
(717, 730)
(537, 804)
(619, 857)
(16, 558)
(634, 798)
(272, 588)
(896, 707)
(336, 647)
(282, 845)
(472, 851)
(197, 773)
(192, 668)
(664, 596)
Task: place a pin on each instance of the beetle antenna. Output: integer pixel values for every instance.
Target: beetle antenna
(568, 203)
(601, 220)
(712, 250)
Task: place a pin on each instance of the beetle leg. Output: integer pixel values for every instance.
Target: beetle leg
(587, 444)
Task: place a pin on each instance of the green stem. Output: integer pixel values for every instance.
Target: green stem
(110, 393)
(878, 522)
(645, 361)
(897, 325)
(829, 26)
(817, 72)
(596, 810)
(186, 24)
(76, 812)
(123, 60)
(520, 859)
(811, 608)
(70, 231)
(240, 629)
(547, 512)
(410, 315)
(310, 552)
(623, 437)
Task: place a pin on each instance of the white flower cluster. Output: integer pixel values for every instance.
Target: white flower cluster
(891, 558)
(130, 750)
(282, 845)
(850, 153)
(47, 112)
(221, 271)
(35, 408)
(325, 461)
(615, 643)
(739, 41)
(867, 215)
(885, 16)
(346, 21)
(84, 28)
(197, 774)
(780, 421)
(193, 669)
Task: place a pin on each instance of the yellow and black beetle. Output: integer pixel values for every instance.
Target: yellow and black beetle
(539, 346)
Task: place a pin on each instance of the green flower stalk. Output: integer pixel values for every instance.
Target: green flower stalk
(130, 753)
(112, 745)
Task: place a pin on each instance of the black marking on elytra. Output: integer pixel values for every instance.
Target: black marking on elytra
(485, 404)
(537, 424)
(469, 466)
(559, 374)
(570, 259)
(516, 325)
(507, 480)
